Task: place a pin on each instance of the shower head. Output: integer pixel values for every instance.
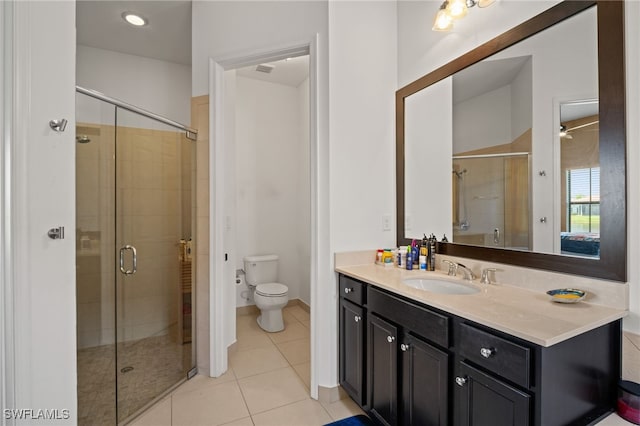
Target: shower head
(83, 139)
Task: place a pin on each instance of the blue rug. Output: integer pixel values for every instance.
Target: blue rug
(359, 420)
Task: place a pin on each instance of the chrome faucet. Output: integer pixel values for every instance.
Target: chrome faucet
(468, 273)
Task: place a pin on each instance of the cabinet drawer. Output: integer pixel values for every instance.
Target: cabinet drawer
(352, 290)
(423, 322)
(501, 356)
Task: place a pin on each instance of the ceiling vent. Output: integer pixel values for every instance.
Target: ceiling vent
(265, 68)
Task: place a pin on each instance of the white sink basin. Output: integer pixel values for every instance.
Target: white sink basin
(440, 286)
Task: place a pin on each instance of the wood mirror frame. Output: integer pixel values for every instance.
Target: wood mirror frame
(612, 264)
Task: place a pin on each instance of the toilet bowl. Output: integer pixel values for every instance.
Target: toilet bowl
(270, 296)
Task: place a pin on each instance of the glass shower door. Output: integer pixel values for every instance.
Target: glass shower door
(491, 203)
(152, 249)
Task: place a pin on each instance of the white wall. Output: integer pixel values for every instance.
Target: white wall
(42, 195)
(161, 87)
(359, 92)
(422, 50)
(482, 121)
(270, 168)
(428, 135)
(522, 88)
(223, 29)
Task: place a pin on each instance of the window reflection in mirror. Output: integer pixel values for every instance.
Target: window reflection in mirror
(580, 178)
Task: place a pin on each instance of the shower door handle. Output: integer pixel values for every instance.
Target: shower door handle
(134, 260)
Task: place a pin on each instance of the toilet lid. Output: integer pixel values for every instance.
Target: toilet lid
(272, 289)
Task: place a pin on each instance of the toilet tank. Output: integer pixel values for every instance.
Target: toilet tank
(261, 269)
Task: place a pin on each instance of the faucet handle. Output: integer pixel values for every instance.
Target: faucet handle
(485, 279)
(453, 267)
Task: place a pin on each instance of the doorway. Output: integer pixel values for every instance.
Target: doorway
(222, 302)
(134, 174)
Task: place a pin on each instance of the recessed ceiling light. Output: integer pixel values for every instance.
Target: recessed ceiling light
(134, 19)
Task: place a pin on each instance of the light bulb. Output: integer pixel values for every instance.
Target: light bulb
(134, 19)
(443, 21)
(457, 8)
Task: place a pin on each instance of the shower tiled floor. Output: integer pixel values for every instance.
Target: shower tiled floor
(158, 363)
(267, 384)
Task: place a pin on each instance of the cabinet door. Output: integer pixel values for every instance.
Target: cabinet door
(352, 356)
(484, 400)
(382, 351)
(425, 395)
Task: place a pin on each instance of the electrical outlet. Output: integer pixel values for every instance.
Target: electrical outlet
(386, 222)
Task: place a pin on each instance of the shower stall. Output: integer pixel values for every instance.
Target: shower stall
(135, 174)
(491, 200)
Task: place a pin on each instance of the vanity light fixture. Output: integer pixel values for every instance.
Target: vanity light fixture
(134, 19)
(452, 10)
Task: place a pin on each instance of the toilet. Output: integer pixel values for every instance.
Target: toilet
(270, 296)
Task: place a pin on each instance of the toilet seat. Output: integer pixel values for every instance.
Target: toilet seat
(271, 289)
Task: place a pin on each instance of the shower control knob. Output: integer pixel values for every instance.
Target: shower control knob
(56, 233)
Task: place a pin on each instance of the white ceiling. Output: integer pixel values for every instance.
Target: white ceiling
(290, 72)
(486, 76)
(167, 36)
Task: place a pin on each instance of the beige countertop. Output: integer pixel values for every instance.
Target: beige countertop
(529, 315)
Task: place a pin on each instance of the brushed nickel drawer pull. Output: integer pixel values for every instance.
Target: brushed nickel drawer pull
(487, 352)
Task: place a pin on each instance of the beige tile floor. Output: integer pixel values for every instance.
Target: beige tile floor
(267, 384)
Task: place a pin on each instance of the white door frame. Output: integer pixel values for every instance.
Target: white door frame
(217, 300)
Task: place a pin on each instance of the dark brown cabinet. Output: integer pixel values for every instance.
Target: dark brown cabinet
(407, 376)
(352, 339)
(482, 399)
(382, 364)
(407, 363)
(352, 358)
(425, 383)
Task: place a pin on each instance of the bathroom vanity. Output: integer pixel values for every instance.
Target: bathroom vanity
(501, 356)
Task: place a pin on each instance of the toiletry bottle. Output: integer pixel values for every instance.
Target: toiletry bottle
(432, 249)
(379, 256)
(414, 252)
(409, 261)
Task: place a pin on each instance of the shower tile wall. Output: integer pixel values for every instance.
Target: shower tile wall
(150, 183)
(95, 220)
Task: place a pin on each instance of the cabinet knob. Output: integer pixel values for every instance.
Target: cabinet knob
(404, 347)
(348, 290)
(487, 352)
(390, 339)
(357, 318)
(461, 381)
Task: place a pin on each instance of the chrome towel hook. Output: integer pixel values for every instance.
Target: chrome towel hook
(58, 125)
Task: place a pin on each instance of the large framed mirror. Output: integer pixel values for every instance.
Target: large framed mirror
(517, 149)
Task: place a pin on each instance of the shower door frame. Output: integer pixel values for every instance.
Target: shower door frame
(191, 134)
